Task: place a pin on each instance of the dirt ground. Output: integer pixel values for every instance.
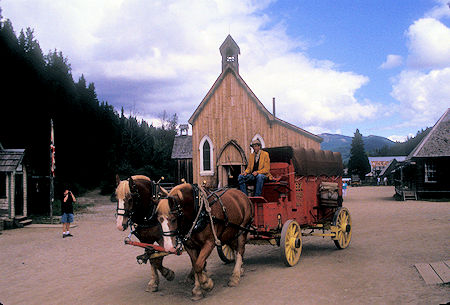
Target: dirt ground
(38, 266)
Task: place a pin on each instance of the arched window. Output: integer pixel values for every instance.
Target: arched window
(206, 157)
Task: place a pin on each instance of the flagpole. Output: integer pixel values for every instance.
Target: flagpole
(52, 170)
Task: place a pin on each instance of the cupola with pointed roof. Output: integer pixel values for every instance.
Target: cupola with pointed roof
(230, 52)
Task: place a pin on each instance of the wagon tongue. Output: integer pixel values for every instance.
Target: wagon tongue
(152, 247)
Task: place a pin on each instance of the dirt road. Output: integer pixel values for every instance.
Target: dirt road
(38, 266)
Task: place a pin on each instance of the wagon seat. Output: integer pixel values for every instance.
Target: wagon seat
(287, 163)
(282, 170)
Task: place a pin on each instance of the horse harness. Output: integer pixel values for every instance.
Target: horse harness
(150, 219)
(202, 207)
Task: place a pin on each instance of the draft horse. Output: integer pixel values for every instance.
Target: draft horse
(185, 222)
(137, 201)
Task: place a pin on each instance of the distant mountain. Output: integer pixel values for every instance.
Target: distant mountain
(342, 144)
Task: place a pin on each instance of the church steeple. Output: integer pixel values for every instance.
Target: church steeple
(230, 51)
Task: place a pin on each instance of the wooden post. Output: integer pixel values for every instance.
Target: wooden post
(52, 190)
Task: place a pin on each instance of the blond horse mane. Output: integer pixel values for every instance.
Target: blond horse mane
(123, 189)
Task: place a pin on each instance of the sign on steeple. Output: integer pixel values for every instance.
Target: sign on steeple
(230, 51)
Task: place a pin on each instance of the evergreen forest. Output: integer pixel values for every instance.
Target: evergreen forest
(402, 148)
(93, 141)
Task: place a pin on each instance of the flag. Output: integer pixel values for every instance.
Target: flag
(52, 149)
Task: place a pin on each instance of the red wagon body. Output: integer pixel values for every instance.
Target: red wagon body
(306, 193)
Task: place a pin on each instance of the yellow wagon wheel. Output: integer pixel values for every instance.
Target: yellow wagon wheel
(226, 254)
(291, 243)
(343, 223)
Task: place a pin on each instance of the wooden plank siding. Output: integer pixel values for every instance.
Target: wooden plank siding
(230, 112)
(414, 176)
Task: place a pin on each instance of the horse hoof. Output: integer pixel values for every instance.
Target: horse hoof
(233, 282)
(197, 297)
(208, 285)
(197, 294)
(151, 289)
(170, 275)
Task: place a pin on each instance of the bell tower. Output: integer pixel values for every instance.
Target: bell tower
(230, 51)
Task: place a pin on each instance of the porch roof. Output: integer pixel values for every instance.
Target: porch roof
(182, 147)
(11, 159)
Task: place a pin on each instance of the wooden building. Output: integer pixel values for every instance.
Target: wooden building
(378, 164)
(182, 154)
(424, 173)
(13, 187)
(228, 118)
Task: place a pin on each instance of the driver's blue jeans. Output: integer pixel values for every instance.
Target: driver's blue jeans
(249, 178)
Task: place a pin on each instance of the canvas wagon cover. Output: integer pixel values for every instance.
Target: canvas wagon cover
(308, 162)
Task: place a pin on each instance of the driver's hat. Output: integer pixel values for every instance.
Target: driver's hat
(255, 142)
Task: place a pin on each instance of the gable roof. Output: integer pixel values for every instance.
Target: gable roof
(437, 141)
(269, 116)
(388, 158)
(11, 159)
(388, 169)
(182, 147)
(229, 43)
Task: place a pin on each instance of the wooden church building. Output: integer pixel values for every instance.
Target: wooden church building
(228, 118)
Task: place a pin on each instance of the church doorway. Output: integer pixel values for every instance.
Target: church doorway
(230, 164)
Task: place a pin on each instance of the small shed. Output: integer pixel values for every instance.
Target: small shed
(13, 187)
(424, 173)
(182, 154)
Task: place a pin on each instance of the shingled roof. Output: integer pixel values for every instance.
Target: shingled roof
(182, 147)
(437, 142)
(10, 159)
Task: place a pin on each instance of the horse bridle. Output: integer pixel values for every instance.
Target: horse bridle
(180, 237)
(178, 212)
(135, 199)
(134, 196)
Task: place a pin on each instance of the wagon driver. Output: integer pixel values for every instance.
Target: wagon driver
(257, 171)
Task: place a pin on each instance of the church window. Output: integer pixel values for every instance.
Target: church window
(206, 157)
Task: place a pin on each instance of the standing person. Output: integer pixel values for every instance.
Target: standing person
(67, 212)
(344, 189)
(258, 169)
(385, 181)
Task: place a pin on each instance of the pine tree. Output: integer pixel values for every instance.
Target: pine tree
(359, 162)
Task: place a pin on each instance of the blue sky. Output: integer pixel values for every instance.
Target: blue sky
(333, 66)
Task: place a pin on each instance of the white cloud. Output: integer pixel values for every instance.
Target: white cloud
(429, 44)
(423, 96)
(156, 55)
(441, 10)
(423, 89)
(309, 92)
(392, 61)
